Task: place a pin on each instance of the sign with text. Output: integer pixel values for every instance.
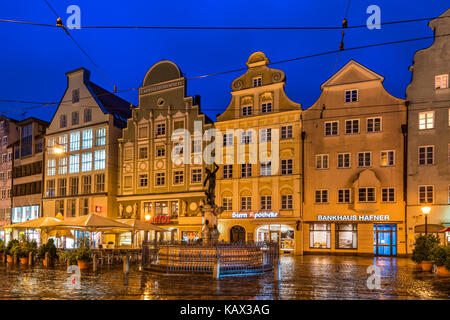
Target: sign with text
(254, 215)
(160, 219)
(355, 218)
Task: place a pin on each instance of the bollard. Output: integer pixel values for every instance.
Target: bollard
(126, 266)
(94, 262)
(47, 259)
(15, 259)
(277, 270)
(216, 268)
(30, 258)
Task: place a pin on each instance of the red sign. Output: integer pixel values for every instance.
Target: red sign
(160, 219)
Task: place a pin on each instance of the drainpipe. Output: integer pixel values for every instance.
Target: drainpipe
(405, 174)
(44, 151)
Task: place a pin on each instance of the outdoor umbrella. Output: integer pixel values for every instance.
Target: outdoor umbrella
(139, 225)
(39, 223)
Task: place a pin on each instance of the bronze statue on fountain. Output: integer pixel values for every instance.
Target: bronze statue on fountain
(210, 210)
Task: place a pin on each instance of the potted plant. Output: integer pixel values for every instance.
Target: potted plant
(68, 257)
(440, 256)
(422, 251)
(9, 252)
(83, 253)
(2, 250)
(51, 249)
(18, 250)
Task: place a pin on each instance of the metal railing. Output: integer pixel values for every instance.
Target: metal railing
(230, 259)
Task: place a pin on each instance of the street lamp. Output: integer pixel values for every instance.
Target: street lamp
(426, 211)
(58, 150)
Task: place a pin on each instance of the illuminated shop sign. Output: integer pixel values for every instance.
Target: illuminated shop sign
(355, 218)
(160, 219)
(254, 215)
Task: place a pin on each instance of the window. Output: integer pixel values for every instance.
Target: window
(160, 179)
(143, 132)
(387, 194)
(426, 194)
(331, 128)
(196, 176)
(227, 139)
(87, 139)
(84, 206)
(4, 158)
(73, 185)
(266, 107)
(5, 140)
(247, 111)
(286, 166)
(62, 187)
(321, 161)
(86, 162)
(321, 196)
(320, 235)
(100, 137)
(265, 168)
(257, 82)
(160, 151)
(75, 95)
(75, 141)
(74, 163)
(426, 155)
(100, 182)
(351, 95)
(366, 194)
(75, 118)
(346, 236)
(86, 182)
(228, 171)
(246, 137)
(87, 115)
(387, 158)
(62, 121)
(343, 160)
(441, 81)
(59, 207)
(246, 170)
(71, 207)
(364, 159)
(374, 124)
(227, 203)
(26, 140)
(266, 202)
(178, 125)
(286, 132)
(344, 196)
(178, 177)
(160, 129)
(143, 154)
(62, 141)
(426, 120)
(99, 160)
(266, 135)
(143, 180)
(161, 208)
(286, 202)
(352, 126)
(62, 165)
(197, 145)
(246, 203)
(51, 167)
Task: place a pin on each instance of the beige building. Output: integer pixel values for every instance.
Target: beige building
(80, 166)
(261, 196)
(354, 160)
(155, 186)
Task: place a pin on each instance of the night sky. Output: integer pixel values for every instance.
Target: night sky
(34, 59)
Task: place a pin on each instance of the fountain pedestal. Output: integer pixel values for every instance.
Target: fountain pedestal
(210, 233)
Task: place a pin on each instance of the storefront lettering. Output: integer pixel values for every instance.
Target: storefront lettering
(160, 219)
(254, 215)
(355, 218)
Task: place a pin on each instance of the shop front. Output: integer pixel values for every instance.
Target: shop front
(25, 213)
(355, 234)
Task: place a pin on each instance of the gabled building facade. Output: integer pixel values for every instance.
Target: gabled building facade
(354, 159)
(81, 158)
(428, 97)
(259, 180)
(152, 184)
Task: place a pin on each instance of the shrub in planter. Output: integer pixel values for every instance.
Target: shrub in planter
(8, 249)
(422, 251)
(2, 250)
(440, 255)
(83, 253)
(50, 248)
(69, 257)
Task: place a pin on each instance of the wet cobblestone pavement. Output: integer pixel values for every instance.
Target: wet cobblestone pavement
(307, 277)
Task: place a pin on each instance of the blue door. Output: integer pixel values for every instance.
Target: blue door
(385, 239)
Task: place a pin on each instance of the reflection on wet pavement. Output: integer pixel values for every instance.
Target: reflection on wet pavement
(307, 277)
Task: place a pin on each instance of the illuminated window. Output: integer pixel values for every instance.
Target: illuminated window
(320, 235)
(100, 137)
(227, 139)
(86, 162)
(74, 163)
(87, 139)
(441, 81)
(51, 167)
(346, 236)
(387, 158)
(426, 120)
(246, 137)
(266, 135)
(265, 168)
(99, 160)
(75, 141)
(62, 141)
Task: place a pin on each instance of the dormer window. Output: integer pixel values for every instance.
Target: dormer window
(441, 81)
(75, 95)
(351, 95)
(257, 82)
(247, 111)
(266, 107)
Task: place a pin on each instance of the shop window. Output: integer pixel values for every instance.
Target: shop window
(161, 208)
(189, 236)
(320, 235)
(346, 236)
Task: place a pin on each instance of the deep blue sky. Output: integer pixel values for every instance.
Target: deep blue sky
(34, 59)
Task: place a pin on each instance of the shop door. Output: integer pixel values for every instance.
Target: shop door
(237, 234)
(385, 239)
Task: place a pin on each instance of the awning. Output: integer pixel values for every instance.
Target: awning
(431, 228)
(445, 230)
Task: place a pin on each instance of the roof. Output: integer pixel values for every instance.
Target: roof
(110, 103)
(32, 119)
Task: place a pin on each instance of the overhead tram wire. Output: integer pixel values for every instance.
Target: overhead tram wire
(271, 63)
